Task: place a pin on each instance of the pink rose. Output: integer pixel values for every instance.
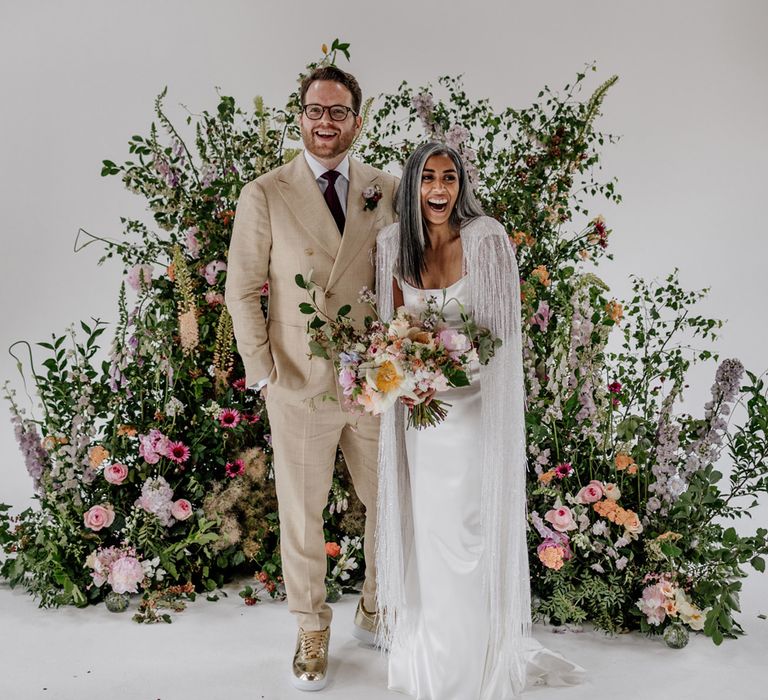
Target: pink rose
(561, 519)
(115, 473)
(181, 509)
(125, 575)
(212, 270)
(591, 493)
(98, 517)
(454, 341)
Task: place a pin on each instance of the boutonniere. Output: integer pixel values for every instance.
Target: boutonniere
(371, 197)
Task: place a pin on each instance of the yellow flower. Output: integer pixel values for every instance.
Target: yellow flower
(388, 378)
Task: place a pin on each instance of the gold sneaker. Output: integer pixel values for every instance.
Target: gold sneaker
(366, 624)
(310, 662)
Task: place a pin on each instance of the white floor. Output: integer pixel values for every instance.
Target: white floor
(227, 650)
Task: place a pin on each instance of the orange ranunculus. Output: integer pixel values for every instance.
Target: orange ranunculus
(542, 274)
(96, 455)
(552, 557)
(128, 430)
(622, 460)
(546, 477)
(172, 272)
(615, 310)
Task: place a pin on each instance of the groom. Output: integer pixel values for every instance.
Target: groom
(310, 215)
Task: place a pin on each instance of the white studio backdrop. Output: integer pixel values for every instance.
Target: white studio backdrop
(79, 78)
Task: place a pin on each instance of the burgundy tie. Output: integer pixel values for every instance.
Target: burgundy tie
(332, 198)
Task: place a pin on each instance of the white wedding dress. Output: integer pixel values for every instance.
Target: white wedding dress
(442, 653)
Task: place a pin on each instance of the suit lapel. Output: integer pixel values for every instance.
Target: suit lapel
(299, 189)
(358, 230)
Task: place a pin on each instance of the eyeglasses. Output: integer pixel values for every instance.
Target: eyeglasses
(337, 113)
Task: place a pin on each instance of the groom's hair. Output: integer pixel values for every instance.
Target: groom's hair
(337, 76)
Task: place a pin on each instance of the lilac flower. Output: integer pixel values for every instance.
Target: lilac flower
(208, 174)
(35, 457)
(424, 105)
(191, 243)
(164, 169)
(456, 136)
(140, 276)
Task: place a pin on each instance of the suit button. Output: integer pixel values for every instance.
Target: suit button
(328, 295)
(308, 251)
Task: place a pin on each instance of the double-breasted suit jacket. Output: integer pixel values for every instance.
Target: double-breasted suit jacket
(284, 227)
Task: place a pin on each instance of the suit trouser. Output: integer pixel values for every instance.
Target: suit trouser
(304, 439)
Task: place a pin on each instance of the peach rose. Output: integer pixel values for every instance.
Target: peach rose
(622, 460)
(632, 523)
(561, 519)
(591, 493)
(115, 473)
(98, 517)
(612, 492)
(181, 509)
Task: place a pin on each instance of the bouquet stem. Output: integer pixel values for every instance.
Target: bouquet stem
(424, 415)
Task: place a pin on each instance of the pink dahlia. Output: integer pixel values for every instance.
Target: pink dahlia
(229, 417)
(178, 452)
(235, 468)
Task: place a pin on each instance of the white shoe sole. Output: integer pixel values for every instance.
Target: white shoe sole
(308, 686)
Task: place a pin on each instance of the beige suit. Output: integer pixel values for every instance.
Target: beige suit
(283, 227)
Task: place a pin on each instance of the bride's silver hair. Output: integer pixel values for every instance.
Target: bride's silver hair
(414, 239)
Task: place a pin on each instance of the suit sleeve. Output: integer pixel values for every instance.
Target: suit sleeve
(247, 272)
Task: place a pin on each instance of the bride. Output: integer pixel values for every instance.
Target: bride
(452, 566)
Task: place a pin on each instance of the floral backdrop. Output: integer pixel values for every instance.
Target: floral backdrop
(152, 468)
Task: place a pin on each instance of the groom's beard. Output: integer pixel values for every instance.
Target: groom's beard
(327, 148)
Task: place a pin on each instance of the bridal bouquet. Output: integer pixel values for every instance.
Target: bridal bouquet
(409, 357)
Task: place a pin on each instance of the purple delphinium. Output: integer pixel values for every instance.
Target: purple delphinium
(35, 457)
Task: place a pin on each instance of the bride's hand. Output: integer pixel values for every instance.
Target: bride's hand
(425, 396)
